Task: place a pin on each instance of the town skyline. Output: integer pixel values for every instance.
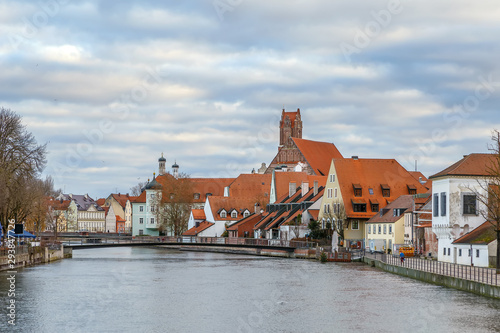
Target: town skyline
(110, 87)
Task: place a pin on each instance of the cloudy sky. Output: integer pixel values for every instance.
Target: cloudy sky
(110, 85)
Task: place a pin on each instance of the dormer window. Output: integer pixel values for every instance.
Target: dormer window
(246, 213)
(374, 205)
(386, 190)
(223, 214)
(358, 205)
(196, 196)
(358, 192)
(234, 214)
(412, 189)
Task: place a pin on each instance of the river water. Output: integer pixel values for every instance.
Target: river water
(161, 290)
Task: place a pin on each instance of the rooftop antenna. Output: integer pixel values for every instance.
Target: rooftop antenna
(416, 165)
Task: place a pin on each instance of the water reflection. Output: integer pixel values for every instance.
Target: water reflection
(160, 290)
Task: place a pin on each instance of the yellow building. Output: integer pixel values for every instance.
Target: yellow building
(387, 227)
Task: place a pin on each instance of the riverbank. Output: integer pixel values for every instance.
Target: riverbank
(475, 287)
(25, 255)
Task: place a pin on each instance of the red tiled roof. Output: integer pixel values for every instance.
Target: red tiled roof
(100, 201)
(372, 173)
(314, 213)
(470, 165)
(404, 201)
(252, 219)
(317, 154)
(228, 204)
(121, 198)
(198, 214)
(58, 204)
(196, 230)
(484, 234)
(119, 219)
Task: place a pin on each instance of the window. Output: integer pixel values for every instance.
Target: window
(335, 193)
(332, 178)
(386, 190)
(330, 193)
(358, 192)
(327, 208)
(152, 208)
(196, 196)
(246, 213)
(141, 208)
(448, 251)
(370, 190)
(444, 251)
(152, 195)
(435, 205)
(379, 229)
(469, 252)
(412, 189)
(443, 203)
(141, 232)
(459, 252)
(390, 229)
(369, 229)
(357, 207)
(385, 229)
(152, 220)
(477, 253)
(234, 214)
(469, 204)
(355, 225)
(141, 220)
(223, 214)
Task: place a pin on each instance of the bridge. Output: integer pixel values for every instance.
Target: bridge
(77, 242)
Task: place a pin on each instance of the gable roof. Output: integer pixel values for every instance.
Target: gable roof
(484, 234)
(197, 229)
(83, 202)
(317, 154)
(217, 204)
(198, 214)
(121, 198)
(372, 174)
(386, 214)
(469, 165)
(251, 219)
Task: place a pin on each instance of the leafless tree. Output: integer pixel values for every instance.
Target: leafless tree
(489, 194)
(137, 189)
(21, 161)
(338, 217)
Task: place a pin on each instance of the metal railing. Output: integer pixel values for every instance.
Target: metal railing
(472, 273)
(192, 240)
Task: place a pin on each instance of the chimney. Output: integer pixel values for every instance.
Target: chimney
(292, 188)
(256, 208)
(315, 187)
(305, 188)
(226, 191)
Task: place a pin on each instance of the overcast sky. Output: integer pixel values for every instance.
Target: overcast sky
(110, 85)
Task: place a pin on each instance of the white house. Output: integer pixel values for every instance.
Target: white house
(477, 247)
(455, 206)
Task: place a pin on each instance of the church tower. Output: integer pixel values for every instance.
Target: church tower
(290, 127)
(161, 165)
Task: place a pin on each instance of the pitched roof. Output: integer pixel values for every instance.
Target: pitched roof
(251, 219)
(197, 229)
(83, 202)
(121, 198)
(228, 204)
(469, 165)
(317, 154)
(100, 201)
(198, 214)
(314, 213)
(484, 234)
(387, 213)
(59, 204)
(119, 219)
(372, 174)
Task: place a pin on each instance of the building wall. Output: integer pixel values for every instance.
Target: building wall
(478, 259)
(390, 238)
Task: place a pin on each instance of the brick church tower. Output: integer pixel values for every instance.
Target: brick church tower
(290, 126)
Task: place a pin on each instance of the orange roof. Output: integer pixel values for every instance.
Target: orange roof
(317, 154)
(141, 198)
(119, 219)
(251, 186)
(100, 201)
(252, 219)
(484, 234)
(198, 214)
(291, 115)
(404, 201)
(372, 174)
(59, 204)
(228, 204)
(314, 213)
(196, 230)
(470, 165)
(121, 198)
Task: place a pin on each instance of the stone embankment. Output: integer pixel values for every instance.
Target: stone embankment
(32, 255)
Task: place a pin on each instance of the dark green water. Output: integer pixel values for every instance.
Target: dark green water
(159, 290)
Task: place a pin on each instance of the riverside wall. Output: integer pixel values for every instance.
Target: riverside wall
(441, 280)
(34, 256)
(297, 253)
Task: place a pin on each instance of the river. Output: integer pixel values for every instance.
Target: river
(133, 289)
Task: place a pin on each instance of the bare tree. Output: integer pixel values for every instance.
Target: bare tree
(21, 161)
(338, 217)
(173, 203)
(137, 189)
(489, 194)
(295, 226)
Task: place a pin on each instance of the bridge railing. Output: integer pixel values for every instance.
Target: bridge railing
(193, 240)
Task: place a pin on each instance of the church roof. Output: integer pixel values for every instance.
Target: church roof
(318, 154)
